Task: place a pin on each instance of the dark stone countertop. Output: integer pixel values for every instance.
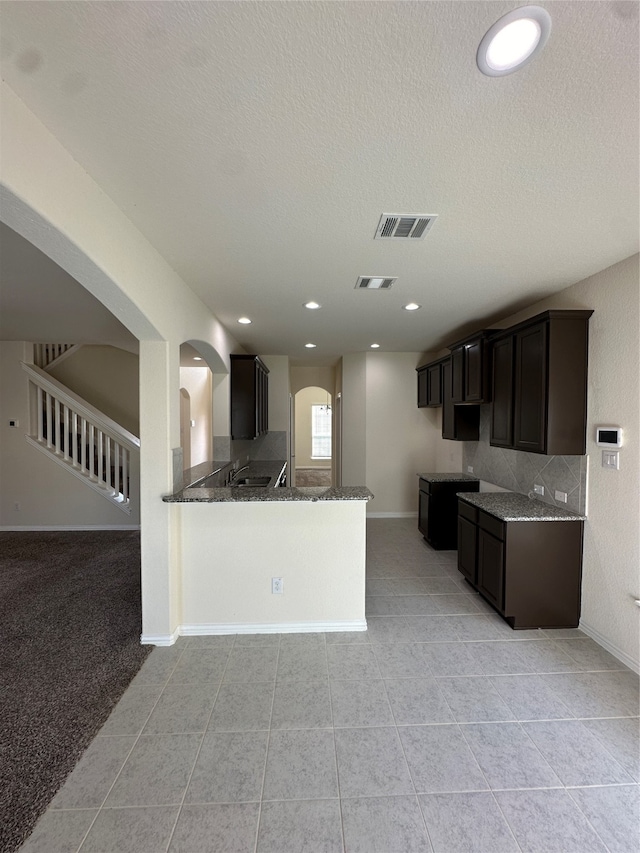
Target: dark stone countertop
(511, 506)
(448, 478)
(219, 493)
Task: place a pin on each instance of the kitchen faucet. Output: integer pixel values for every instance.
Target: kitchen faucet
(233, 474)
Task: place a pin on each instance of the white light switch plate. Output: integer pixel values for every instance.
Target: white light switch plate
(611, 459)
(539, 490)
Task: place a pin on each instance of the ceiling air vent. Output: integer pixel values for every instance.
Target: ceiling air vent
(371, 282)
(401, 226)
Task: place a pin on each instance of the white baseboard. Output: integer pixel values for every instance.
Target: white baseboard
(159, 639)
(392, 515)
(252, 628)
(272, 628)
(28, 528)
(601, 640)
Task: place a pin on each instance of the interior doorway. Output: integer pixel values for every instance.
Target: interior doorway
(313, 437)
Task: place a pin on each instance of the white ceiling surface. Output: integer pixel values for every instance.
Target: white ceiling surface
(256, 144)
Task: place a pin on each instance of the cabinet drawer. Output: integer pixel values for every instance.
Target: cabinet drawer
(425, 486)
(492, 525)
(467, 511)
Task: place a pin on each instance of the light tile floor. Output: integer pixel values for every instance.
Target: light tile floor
(439, 729)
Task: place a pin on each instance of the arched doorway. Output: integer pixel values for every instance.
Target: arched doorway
(313, 437)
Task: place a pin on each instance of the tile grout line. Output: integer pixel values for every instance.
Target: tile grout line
(133, 746)
(335, 752)
(266, 752)
(406, 760)
(186, 787)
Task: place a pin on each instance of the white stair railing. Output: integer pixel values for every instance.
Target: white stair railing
(77, 435)
(45, 354)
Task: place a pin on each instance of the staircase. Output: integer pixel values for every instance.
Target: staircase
(82, 439)
(44, 355)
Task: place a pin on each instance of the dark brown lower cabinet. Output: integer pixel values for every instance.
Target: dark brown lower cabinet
(529, 571)
(437, 510)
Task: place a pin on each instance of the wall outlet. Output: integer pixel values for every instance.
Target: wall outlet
(539, 490)
(277, 586)
(469, 469)
(561, 496)
(17, 507)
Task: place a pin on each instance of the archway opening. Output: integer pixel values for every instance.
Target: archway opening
(313, 437)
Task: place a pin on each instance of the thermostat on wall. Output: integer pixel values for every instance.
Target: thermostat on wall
(609, 436)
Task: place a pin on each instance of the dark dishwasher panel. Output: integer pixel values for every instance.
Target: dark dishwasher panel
(438, 510)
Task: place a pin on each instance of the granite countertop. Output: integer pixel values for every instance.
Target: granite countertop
(510, 506)
(243, 494)
(447, 478)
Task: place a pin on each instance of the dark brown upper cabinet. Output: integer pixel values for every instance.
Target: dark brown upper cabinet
(539, 384)
(430, 384)
(471, 369)
(249, 397)
(459, 423)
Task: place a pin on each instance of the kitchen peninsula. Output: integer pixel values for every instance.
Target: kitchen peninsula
(235, 540)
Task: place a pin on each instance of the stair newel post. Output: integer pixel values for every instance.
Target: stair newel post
(74, 438)
(47, 411)
(83, 443)
(39, 410)
(55, 426)
(125, 473)
(116, 467)
(107, 466)
(92, 451)
(100, 456)
(65, 438)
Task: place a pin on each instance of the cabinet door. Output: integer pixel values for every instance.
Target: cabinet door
(423, 513)
(530, 415)
(457, 375)
(434, 385)
(423, 397)
(473, 372)
(467, 548)
(448, 418)
(491, 568)
(502, 393)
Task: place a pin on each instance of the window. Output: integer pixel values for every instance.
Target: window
(320, 431)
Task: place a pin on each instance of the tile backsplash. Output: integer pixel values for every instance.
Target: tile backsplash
(269, 447)
(519, 471)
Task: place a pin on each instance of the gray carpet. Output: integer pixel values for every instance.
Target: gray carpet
(70, 622)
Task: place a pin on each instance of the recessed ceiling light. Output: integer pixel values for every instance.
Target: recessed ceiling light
(412, 306)
(513, 41)
(197, 358)
(375, 346)
(310, 346)
(244, 320)
(312, 305)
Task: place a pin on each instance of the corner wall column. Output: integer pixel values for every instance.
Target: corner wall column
(161, 580)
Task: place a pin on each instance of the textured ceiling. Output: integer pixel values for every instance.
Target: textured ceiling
(257, 144)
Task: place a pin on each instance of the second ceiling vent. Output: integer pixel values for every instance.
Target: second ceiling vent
(371, 282)
(403, 226)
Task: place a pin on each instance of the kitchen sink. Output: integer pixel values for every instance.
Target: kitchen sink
(251, 481)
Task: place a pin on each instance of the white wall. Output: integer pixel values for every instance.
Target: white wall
(387, 439)
(106, 377)
(320, 377)
(611, 567)
(197, 382)
(354, 420)
(48, 495)
(305, 399)
(52, 202)
(324, 586)
(278, 392)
